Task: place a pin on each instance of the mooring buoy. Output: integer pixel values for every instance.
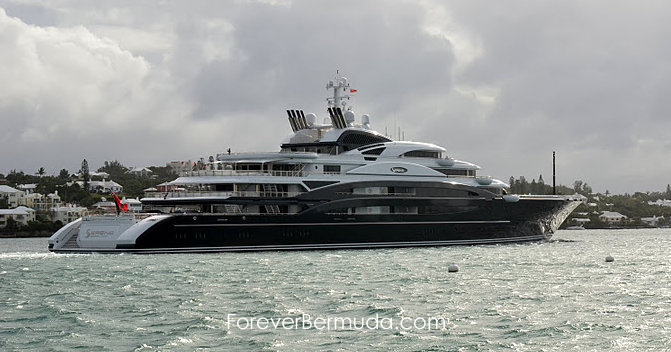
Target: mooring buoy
(452, 268)
(609, 259)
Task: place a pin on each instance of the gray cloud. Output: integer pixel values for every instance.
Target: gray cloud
(500, 84)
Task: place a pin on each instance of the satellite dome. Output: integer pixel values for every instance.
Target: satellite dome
(311, 118)
(349, 116)
(365, 121)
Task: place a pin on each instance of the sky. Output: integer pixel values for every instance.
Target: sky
(502, 84)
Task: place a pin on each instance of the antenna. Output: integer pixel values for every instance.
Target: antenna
(554, 175)
(340, 87)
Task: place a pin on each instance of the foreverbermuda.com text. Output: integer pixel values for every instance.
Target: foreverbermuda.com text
(306, 322)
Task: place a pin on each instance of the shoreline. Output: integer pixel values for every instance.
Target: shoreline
(27, 234)
(47, 234)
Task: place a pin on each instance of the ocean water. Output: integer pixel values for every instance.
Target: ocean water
(553, 296)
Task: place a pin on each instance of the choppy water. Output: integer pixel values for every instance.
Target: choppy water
(553, 296)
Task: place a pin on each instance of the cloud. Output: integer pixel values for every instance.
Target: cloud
(67, 88)
(499, 84)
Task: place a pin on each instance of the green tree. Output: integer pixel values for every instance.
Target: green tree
(85, 174)
(64, 175)
(582, 187)
(40, 171)
(114, 168)
(46, 185)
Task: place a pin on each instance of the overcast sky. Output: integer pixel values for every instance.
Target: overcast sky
(498, 83)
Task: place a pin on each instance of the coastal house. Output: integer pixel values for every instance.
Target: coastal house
(181, 166)
(13, 196)
(134, 204)
(21, 215)
(652, 221)
(580, 221)
(67, 213)
(42, 202)
(102, 186)
(28, 188)
(140, 171)
(612, 217)
(661, 202)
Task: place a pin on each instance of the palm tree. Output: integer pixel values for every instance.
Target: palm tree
(40, 171)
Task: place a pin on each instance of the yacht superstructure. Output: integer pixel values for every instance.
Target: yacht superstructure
(336, 184)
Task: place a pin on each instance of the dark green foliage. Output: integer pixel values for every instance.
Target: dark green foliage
(18, 177)
(64, 175)
(114, 168)
(47, 185)
(75, 194)
(522, 186)
(134, 186)
(85, 173)
(582, 187)
(11, 224)
(42, 226)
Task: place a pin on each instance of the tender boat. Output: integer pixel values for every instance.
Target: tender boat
(333, 185)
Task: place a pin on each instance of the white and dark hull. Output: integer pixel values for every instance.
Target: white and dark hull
(478, 221)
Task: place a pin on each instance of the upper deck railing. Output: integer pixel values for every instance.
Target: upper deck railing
(291, 173)
(223, 195)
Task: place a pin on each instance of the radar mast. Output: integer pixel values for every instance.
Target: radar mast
(341, 90)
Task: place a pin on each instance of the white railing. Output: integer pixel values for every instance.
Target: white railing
(200, 194)
(290, 173)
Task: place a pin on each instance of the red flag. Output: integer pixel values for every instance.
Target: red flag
(352, 90)
(119, 207)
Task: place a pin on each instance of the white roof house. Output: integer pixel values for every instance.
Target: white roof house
(580, 220)
(21, 215)
(652, 221)
(68, 213)
(133, 204)
(612, 217)
(28, 187)
(140, 171)
(4, 189)
(661, 202)
(14, 196)
(41, 202)
(103, 186)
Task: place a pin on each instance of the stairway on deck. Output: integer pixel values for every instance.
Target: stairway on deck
(72, 241)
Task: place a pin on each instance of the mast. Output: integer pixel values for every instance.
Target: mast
(554, 174)
(341, 90)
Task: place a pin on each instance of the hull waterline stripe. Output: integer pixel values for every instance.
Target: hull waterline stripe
(370, 245)
(351, 223)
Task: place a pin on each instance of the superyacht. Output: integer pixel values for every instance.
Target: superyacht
(337, 184)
